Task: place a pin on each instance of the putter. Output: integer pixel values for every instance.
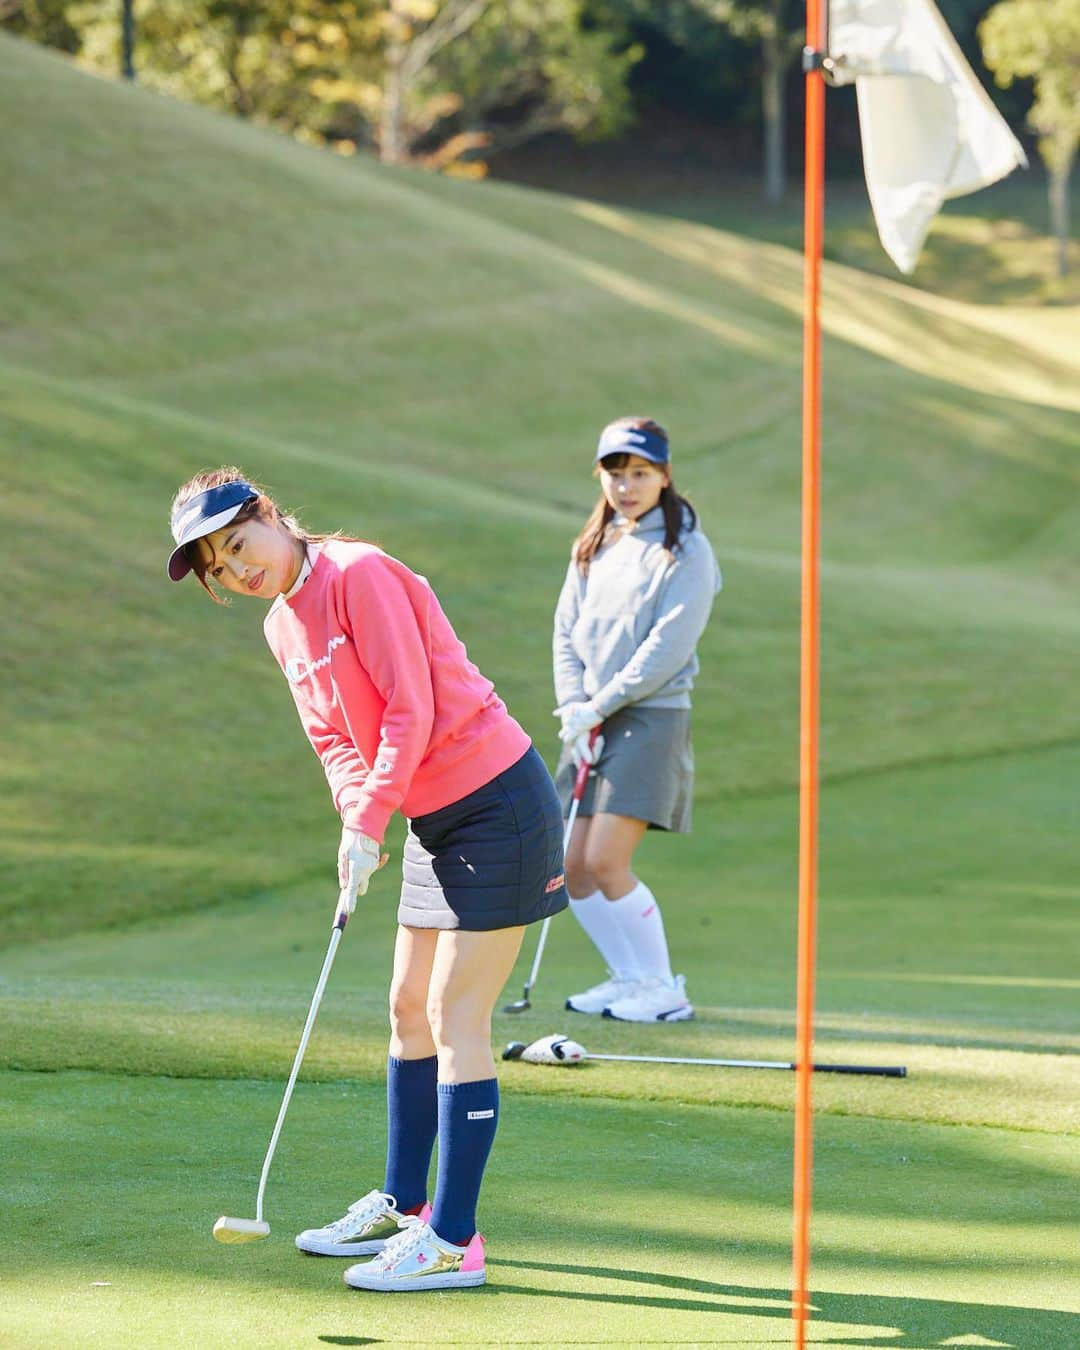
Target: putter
(517, 1048)
(252, 1230)
(522, 1004)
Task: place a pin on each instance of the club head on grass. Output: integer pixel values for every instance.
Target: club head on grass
(520, 1006)
(240, 1230)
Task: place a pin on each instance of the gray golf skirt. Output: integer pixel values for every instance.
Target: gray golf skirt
(646, 769)
(494, 859)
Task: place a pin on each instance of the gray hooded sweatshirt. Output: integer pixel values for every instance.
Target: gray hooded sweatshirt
(627, 631)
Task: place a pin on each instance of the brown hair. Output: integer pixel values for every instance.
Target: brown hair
(595, 532)
(262, 507)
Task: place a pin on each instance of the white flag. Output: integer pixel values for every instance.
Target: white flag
(929, 130)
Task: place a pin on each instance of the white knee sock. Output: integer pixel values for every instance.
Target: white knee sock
(606, 932)
(641, 925)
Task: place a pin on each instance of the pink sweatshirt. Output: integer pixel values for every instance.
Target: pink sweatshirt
(396, 711)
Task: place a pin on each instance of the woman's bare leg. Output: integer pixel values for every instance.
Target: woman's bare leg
(609, 851)
(414, 955)
(580, 882)
(467, 976)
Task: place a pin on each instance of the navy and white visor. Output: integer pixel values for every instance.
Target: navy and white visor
(633, 441)
(202, 515)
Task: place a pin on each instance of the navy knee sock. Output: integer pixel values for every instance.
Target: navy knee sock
(468, 1118)
(412, 1117)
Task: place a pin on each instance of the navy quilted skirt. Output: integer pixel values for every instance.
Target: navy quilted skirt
(494, 859)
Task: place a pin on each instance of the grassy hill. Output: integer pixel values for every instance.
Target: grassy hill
(426, 363)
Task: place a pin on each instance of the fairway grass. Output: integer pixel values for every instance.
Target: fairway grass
(688, 1245)
(625, 1204)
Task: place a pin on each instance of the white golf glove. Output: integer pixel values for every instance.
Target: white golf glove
(358, 859)
(585, 750)
(578, 719)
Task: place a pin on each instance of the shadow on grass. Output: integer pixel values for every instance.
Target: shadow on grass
(898, 1322)
(993, 248)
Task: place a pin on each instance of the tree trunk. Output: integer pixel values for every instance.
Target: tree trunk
(772, 106)
(1058, 187)
(127, 39)
(392, 148)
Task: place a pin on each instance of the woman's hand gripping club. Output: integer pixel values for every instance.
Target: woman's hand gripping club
(358, 860)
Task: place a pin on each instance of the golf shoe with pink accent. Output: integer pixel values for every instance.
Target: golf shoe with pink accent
(419, 1259)
(365, 1228)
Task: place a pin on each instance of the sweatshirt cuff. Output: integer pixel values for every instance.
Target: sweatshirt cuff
(368, 818)
(608, 702)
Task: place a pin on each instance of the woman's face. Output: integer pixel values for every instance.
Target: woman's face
(252, 557)
(635, 488)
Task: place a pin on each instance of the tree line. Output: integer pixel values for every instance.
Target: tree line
(451, 83)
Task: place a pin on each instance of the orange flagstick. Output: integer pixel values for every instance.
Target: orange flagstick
(809, 693)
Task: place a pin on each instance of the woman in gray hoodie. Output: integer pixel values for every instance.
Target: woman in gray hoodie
(637, 595)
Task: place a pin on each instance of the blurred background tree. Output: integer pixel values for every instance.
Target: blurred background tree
(43, 20)
(1039, 40)
(453, 83)
(440, 82)
(764, 37)
(465, 77)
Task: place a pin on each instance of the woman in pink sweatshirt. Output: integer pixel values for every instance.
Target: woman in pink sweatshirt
(401, 720)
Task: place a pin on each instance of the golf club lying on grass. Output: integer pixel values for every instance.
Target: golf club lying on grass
(251, 1230)
(522, 1004)
(563, 1051)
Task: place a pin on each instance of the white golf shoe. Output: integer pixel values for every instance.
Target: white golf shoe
(364, 1229)
(653, 1000)
(417, 1258)
(601, 996)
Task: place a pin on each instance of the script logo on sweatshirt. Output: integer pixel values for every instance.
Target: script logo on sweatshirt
(297, 669)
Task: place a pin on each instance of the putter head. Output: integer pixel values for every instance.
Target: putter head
(514, 1050)
(522, 1005)
(241, 1230)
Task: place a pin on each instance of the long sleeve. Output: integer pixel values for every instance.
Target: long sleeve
(346, 773)
(389, 610)
(685, 602)
(569, 668)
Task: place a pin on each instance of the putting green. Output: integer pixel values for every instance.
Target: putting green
(608, 1223)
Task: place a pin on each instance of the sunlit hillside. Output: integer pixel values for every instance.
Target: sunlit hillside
(426, 362)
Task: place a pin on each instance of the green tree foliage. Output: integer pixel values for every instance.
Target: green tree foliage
(1039, 40)
(464, 76)
(43, 20)
(435, 81)
(296, 66)
(778, 28)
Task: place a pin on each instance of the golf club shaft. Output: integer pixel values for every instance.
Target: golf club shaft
(542, 940)
(579, 792)
(335, 938)
(884, 1071)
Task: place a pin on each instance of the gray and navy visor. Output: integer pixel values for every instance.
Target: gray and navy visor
(202, 515)
(633, 441)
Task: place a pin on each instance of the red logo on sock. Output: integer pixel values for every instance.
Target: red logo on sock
(646, 912)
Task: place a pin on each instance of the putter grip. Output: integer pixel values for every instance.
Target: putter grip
(889, 1071)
